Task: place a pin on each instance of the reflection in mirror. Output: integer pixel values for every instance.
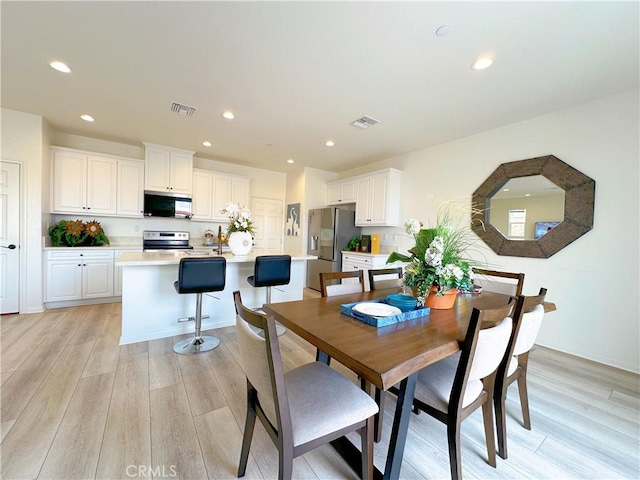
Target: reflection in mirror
(526, 208)
(532, 233)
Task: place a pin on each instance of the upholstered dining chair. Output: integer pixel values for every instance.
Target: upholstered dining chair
(514, 366)
(451, 389)
(499, 282)
(329, 290)
(301, 409)
(387, 282)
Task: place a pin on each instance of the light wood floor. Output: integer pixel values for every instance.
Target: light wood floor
(75, 405)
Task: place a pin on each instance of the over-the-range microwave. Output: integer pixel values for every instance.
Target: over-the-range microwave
(161, 205)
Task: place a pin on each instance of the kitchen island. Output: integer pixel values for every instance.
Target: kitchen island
(151, 308)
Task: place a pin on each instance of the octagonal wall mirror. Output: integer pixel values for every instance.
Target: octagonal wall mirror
(534, 207)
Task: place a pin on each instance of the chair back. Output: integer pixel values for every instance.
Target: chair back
(328, 290)
(386, 282)
(506, 283)
(272, 270)
(199, 275)
(261, 362)
(532, 315)
(529, 320)
(482, 350)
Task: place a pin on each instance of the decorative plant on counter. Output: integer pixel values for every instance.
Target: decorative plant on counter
(239, 218)
(439, 257)
(240, 230)
(70, 233)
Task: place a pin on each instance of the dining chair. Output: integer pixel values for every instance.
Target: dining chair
(386, 282)
(451, 389)
(506, 283)
(514, 366)
(301, 409)
(329, 290)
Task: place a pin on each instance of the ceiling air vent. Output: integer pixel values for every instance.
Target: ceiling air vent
(365, 122)
(184, 110)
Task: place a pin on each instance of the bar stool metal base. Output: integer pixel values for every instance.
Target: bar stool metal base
(195, 345)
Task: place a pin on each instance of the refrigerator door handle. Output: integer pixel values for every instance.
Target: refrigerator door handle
(314, 242)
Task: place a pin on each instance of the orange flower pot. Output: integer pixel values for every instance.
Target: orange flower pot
(443, 302)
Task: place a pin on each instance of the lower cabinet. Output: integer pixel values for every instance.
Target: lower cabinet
(363, 261)
(79, 274)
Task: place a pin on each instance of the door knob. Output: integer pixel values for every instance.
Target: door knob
(10, 247)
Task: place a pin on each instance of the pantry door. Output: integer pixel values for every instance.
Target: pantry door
(267, 215)
(9, 237)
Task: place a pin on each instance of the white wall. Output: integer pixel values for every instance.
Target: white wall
(594, 281)
(25, 140)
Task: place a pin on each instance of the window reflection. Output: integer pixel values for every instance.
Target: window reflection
(526, 208)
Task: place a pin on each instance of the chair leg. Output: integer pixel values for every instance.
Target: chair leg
(523, 361)
(487, 416)
(501, 421)
(380, 398)
(249, 423)
(366, 433)
(524, 399)
(285, 469)
(455, 461)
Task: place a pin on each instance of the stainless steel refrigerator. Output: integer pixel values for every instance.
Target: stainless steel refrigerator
(330, 230)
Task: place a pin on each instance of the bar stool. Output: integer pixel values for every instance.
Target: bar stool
(199, 275)
(271, 271)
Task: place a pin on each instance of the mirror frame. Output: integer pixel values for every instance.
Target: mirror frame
(579, 204)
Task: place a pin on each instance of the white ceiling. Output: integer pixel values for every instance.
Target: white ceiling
(298, 73)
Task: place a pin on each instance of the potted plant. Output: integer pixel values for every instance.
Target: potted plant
(72, 233)
(240, 230)
(438, 264)
(354, 244)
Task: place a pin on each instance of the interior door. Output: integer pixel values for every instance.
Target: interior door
(9, 237)
(267, 215)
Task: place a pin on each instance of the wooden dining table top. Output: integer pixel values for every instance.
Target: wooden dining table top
(386, 355)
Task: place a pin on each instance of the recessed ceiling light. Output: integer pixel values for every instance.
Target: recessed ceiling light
(482, 63)
(87, 118)
(443, 30)
(329, 143)
(505, 190)
(228, 115)
(290, 160)
(527, 194)
(59, 66)
(206, 144)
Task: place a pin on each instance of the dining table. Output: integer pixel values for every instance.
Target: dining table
(383, 356)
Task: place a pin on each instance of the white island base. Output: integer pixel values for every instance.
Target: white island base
(151, 307)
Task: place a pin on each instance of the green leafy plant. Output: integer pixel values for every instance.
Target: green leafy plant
(353, 244)
(71, 233)
(439, 256)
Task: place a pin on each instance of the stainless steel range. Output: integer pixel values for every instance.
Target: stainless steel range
(160, 241)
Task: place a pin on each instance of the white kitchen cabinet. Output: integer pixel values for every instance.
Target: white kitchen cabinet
(341, 191)
(83, 183)
(212, 191)
(130, 199)
(378, 199)
(168, 170)
(79, 274)
(363, 261)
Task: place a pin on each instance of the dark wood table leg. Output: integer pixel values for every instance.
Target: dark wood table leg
(400, 427)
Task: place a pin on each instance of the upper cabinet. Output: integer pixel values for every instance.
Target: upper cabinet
(376, 195)
(341, 191)
(168, 170)
(212, 191)
(95, 184)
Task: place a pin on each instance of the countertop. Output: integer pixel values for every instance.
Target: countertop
(105, 247)
(134, 259)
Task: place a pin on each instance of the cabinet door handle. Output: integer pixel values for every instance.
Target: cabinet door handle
(79, 265)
